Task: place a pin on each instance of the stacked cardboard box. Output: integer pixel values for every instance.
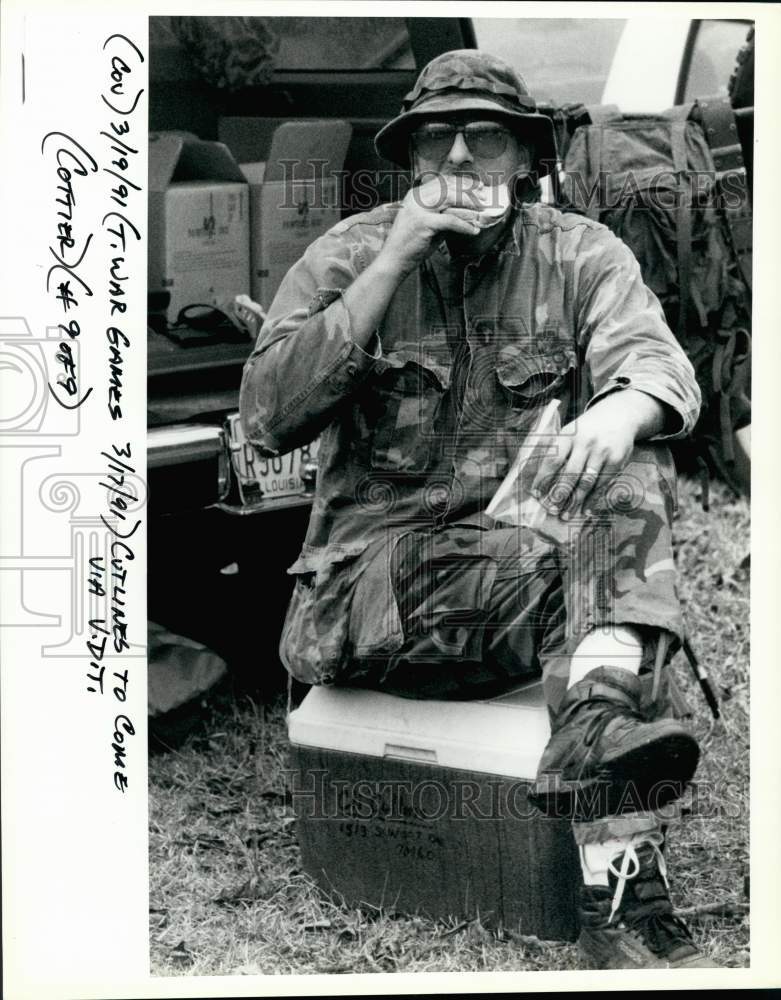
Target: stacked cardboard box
(198, 222)
(294, 173)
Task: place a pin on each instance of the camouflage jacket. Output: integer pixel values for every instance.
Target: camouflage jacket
(422, 426)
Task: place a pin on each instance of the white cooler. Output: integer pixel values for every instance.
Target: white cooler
(421, 806)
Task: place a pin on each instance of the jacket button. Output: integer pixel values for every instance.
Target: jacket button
(352, 368)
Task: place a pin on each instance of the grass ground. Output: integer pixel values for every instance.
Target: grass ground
(227, 893)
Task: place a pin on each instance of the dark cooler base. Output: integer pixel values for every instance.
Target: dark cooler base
(421, 838)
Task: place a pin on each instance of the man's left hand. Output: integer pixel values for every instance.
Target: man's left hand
(594, 448)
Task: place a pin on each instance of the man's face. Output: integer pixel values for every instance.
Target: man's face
(486, 149)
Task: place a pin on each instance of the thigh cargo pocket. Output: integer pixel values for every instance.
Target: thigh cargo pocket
(313, 645)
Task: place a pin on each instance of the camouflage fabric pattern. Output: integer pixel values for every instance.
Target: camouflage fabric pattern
(482, 606)
(470, 80)
(419, 428)
(470, 69)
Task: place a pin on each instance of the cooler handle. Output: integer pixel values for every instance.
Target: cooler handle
(410, 753)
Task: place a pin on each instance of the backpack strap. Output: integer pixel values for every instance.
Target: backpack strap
(684, 222)
(721, 133)
(732, 345)
(595, 137)
(722, 363)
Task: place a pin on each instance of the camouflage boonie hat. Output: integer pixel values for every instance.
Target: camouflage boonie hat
(469, 80)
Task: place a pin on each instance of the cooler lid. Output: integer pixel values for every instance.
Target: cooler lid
(503, 736)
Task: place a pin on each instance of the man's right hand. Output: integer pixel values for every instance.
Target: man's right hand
(428, 213)
(422, 220)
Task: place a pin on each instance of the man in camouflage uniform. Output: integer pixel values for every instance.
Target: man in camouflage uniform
(421, 341)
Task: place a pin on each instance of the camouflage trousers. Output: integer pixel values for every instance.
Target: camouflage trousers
(485, 606)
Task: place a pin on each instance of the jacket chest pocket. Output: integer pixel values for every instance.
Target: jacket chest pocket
(528, 381)
(406, 401)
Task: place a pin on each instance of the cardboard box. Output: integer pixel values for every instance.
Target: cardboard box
(198, 222)
(294, 195)
(422, 806)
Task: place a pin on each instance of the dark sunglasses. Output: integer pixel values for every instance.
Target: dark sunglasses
(434, 142)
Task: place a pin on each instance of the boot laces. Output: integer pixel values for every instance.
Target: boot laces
(650, 912)
(630, 866)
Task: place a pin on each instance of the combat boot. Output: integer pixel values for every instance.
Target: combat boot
(605, 757)
(630, 923)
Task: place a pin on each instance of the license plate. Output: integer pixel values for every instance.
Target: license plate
(266, 478)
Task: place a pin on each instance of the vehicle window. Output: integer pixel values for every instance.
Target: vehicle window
(561, 59)
(339, 43)
(255, 47)
(713, 57)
